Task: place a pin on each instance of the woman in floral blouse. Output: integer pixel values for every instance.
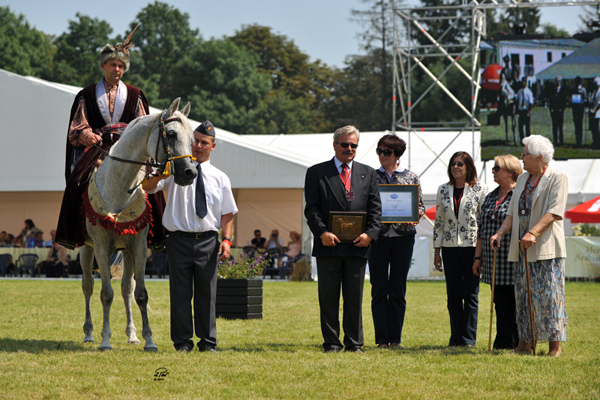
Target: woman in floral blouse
(454, 238)
(506, 170)
(391, 254)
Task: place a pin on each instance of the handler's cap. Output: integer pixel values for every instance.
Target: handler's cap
(206, 128)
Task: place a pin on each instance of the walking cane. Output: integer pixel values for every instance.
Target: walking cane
(492, 301)
(530, 303)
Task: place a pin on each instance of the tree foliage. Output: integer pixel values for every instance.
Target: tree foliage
(23, 50)
(161, 42)
(378, 36)
(301, 86)
(76, 60)
(222, 82)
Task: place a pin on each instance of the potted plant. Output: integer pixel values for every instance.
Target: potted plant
(239, 289)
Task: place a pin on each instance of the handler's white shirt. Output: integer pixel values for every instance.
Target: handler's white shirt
(180, 211)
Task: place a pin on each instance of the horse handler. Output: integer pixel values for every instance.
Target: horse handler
(99, 114)
(193, 215)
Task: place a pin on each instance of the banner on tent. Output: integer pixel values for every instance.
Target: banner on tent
(583, 257)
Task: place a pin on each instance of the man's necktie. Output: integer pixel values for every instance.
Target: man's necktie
(345, 175)
(201, 209)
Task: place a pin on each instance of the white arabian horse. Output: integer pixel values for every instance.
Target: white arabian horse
(167, 139)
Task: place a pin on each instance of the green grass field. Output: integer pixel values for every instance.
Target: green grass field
(493, 138)
(280, 356)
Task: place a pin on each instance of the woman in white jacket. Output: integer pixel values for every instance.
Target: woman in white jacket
(454, 239)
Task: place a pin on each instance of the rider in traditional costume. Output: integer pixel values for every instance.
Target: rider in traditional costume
(99, 114)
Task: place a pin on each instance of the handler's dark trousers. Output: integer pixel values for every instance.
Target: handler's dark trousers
(193, 275)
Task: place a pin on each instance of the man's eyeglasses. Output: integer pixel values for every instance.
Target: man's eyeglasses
(496, 168)
(345, 145)
(523, 154)
(385, 152)
(459, 163)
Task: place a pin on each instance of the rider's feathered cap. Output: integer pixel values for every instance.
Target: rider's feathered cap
(206, 128)
(119, 52)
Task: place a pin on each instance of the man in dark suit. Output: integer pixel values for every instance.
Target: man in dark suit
(341, 184)
(557, 99)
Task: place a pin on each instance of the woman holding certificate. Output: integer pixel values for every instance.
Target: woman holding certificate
(391, 254)
(454, 239)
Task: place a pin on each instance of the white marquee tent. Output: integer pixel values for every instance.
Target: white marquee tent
(267, 171)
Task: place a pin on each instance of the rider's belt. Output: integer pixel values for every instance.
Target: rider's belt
(196, 235)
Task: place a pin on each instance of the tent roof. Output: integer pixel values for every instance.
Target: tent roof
(33, 135)
(588, 212)
(583, 62)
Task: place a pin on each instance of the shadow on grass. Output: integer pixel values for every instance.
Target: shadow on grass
(8, 345)
(292, 348)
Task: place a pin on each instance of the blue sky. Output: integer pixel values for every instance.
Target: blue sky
(320, 28)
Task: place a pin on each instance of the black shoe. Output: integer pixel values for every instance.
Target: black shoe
(207, 349)
(355, 349)
(332, 349)
(183, 349)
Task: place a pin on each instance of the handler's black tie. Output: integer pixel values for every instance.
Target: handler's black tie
(201, 209)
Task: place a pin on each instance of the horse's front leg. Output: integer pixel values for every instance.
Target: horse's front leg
(87, 284)
(127, 286)
(141, 295)
(106, 296)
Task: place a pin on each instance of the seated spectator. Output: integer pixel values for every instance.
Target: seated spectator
(14, 241)
(56, 264)
(274, 241)
(28, 230)
(39, 240)
(258, 241)
(4, 242)
(50, 243)
(30, 242)
(287, 259)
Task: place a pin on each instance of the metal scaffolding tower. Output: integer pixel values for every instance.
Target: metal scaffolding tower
(415, 46)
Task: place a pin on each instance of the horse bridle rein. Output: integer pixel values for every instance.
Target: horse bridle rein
(168, 166)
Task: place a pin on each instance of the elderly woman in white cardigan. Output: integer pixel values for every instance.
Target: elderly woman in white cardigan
(454, 238)
(535, 218)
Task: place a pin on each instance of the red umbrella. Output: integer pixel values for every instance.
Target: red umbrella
(430, 212)
(588, 212)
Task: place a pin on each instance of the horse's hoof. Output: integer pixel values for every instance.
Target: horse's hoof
(151, 349)
(104, 348)
(134, 341)
(88, 340)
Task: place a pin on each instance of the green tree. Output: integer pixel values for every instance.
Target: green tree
(279, 57)
(552, 30)
(221, 81)
(590, 18)
(528, 15)
(440, 23)
(23, 50)
(279, 113)
(378, 20)
(357, 94)
(76, 61)
(161, 42)
(303, 84)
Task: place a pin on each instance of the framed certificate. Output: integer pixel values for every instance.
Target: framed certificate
(347, 225)
(399, 203)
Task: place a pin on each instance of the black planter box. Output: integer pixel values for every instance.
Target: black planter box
(239, 298)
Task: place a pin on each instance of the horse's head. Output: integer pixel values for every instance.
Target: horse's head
(177, 137)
